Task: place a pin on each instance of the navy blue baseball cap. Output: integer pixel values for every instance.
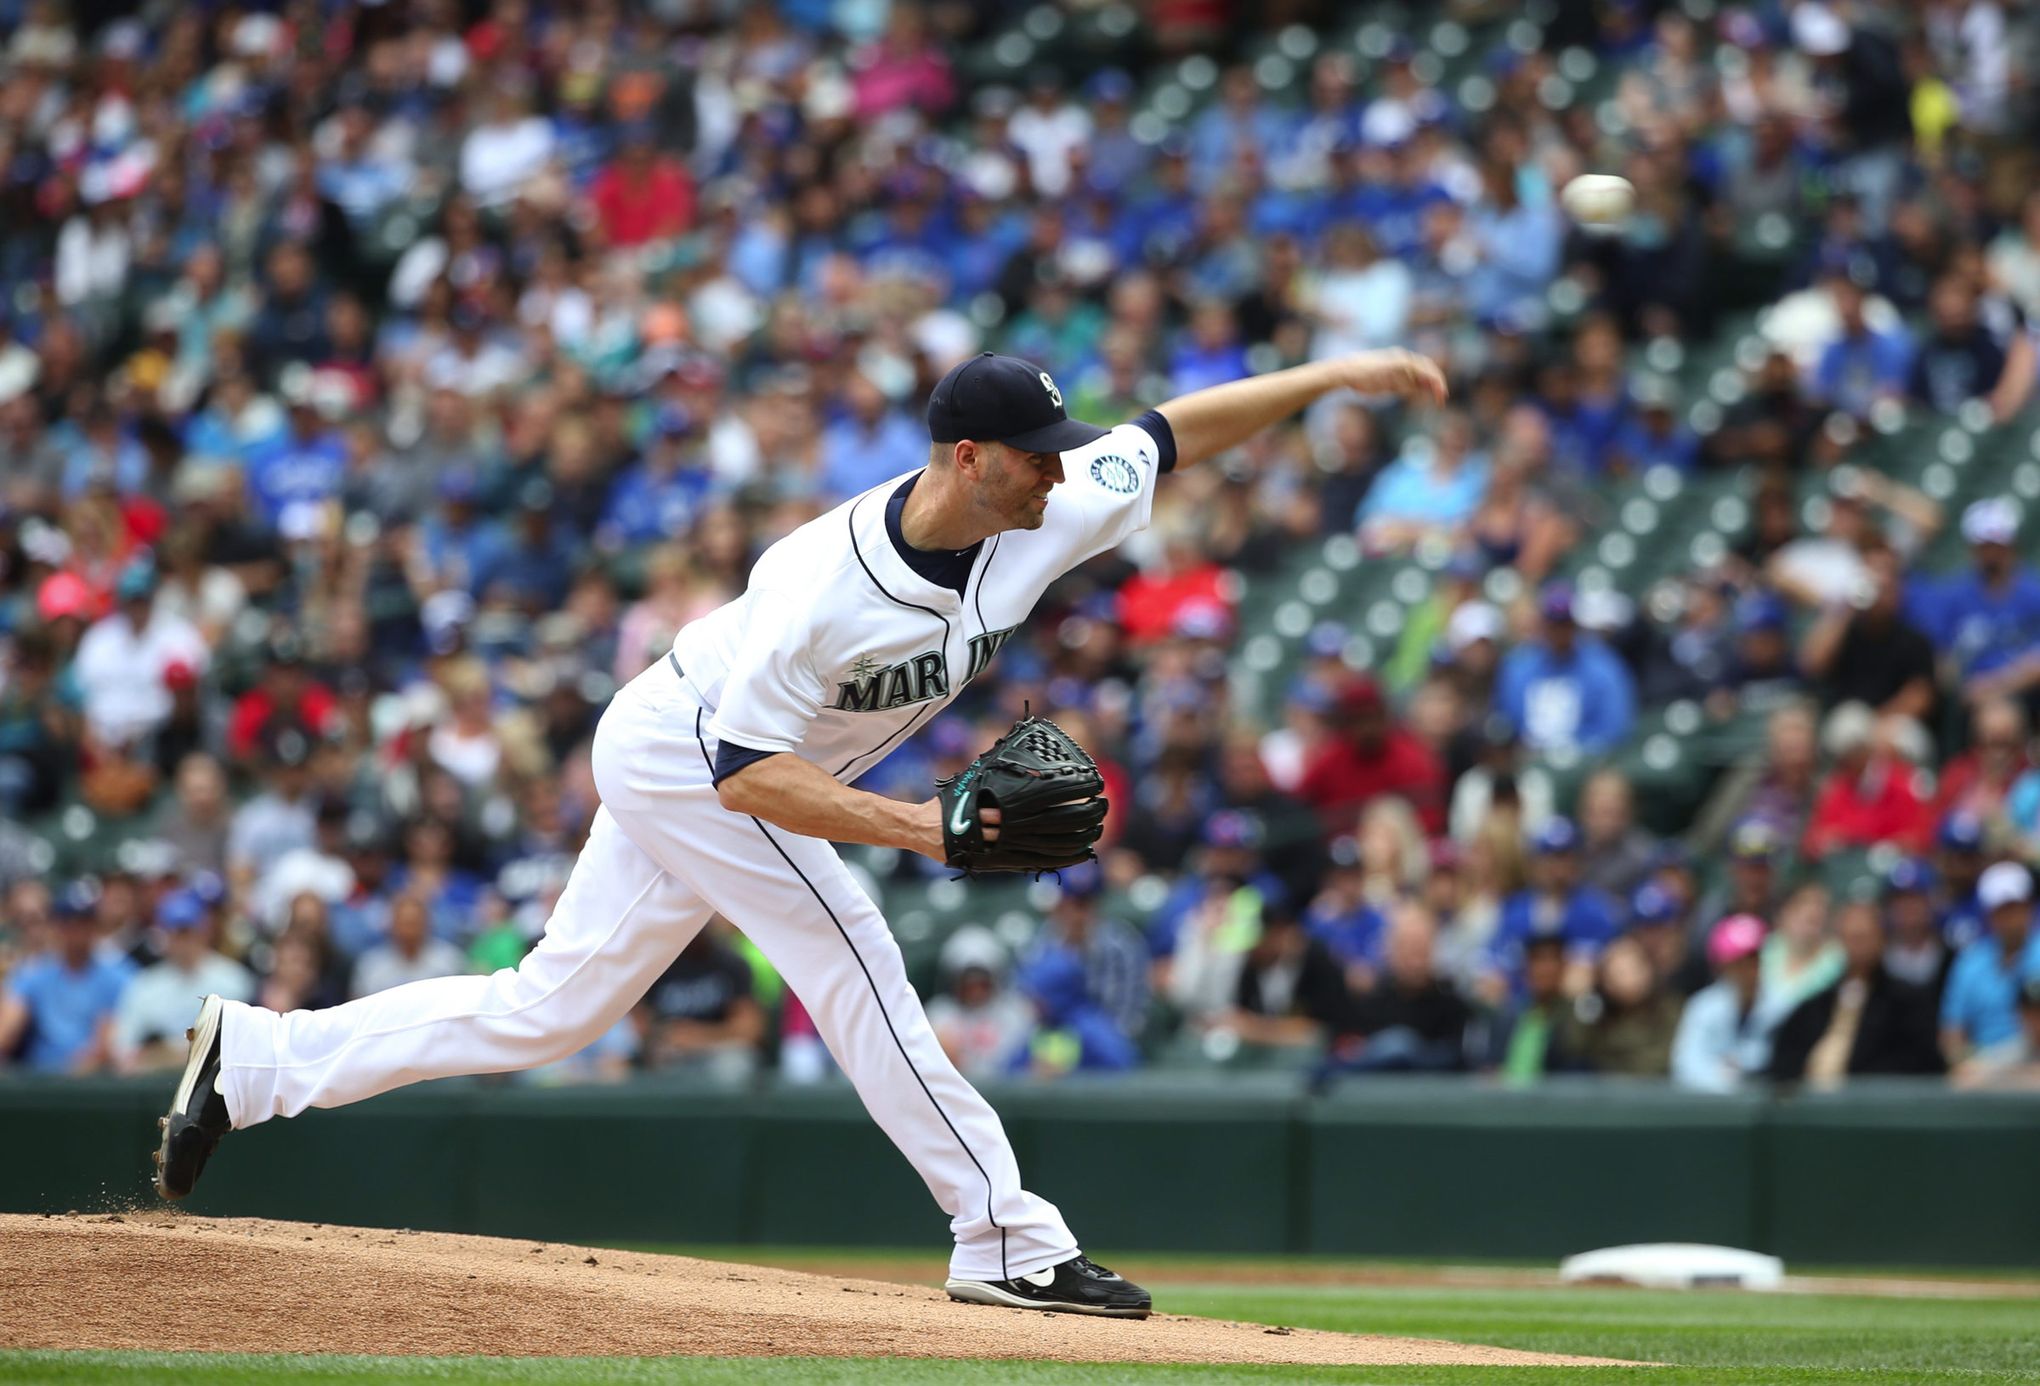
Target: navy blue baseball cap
(1761, 611)
(1003, 399)
(1084, 881)
(77, 900)
(1653, 904)
(1232, 828)
(179, 910)
(1962, 831)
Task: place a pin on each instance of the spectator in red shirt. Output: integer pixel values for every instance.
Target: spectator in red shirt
(1978, 780)
(284, 695)
(641, 195)
(1151, 603)
(1869, 797)
(1368, 756)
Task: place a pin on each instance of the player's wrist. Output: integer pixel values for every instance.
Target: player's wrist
(921, 830)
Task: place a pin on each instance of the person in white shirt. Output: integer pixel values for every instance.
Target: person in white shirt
(1362, 300)
(507, 150)
(148, 1025)
(124, 656)
(1049, 130)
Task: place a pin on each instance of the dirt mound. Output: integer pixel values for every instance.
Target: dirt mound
(159, 1281)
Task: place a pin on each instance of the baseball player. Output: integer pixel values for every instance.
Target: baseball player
(725, 773)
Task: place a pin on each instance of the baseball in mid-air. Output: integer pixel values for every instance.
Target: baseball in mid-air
(1600, 200)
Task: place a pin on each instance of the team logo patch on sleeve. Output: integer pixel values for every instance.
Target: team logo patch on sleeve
(1115, 474)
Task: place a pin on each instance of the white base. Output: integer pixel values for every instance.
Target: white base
(1675, 1266)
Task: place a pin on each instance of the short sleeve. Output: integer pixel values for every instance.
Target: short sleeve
(1108, 491)
(23, 985)
(772, 692)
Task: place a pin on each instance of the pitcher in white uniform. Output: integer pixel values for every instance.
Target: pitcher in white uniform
(725, 771)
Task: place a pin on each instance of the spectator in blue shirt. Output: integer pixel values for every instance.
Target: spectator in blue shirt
(58, 1006)
(1519, 245)
(1341, 917)
(872, 442)
(1958, 867)
(1565, 690)
(1239, 122)
(1986, 620)
(1114, 156)
(986, 238)
(1653, 436)
(358, 179)
(660, 496)
(1158, 223)
(454, 541)
(1981, 1004)
(531, 561)
(102, 451)
(1433, 488)
(1555, 905)
(1395, 207)
(1863, 364)
(302, 465)
(1112, 956)
(1210, 352)
(1073, 1032)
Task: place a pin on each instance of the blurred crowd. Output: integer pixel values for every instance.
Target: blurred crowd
(383, 383)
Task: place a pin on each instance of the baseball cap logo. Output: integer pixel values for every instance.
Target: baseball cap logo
(1003, 399)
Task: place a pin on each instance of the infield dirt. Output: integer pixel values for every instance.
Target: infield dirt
(166, 1282)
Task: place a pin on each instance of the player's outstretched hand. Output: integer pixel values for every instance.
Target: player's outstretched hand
(1404, 374)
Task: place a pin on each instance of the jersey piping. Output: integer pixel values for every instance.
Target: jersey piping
(850, 521)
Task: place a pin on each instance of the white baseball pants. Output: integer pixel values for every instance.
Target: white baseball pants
(664, 856)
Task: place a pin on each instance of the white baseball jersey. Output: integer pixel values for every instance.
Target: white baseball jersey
(839, 650)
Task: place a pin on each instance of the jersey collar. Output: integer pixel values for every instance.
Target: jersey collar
(881, 562)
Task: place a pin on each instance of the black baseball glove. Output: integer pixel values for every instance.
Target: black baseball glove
(1049, 795)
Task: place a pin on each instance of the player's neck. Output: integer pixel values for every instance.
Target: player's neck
(938, 514)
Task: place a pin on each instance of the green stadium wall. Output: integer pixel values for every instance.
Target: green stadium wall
(1878, 1176)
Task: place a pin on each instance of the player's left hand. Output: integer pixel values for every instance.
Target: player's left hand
(1404, 374)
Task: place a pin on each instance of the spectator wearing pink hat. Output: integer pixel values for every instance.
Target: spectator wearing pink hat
(1722, 1038)
(66, 596)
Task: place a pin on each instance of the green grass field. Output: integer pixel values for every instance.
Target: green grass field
(1704, 1338)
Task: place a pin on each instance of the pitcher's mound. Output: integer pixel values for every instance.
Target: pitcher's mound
(159, 1281)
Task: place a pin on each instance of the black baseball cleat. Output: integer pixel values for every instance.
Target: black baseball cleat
(1077, 1286)
(198, 1114)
